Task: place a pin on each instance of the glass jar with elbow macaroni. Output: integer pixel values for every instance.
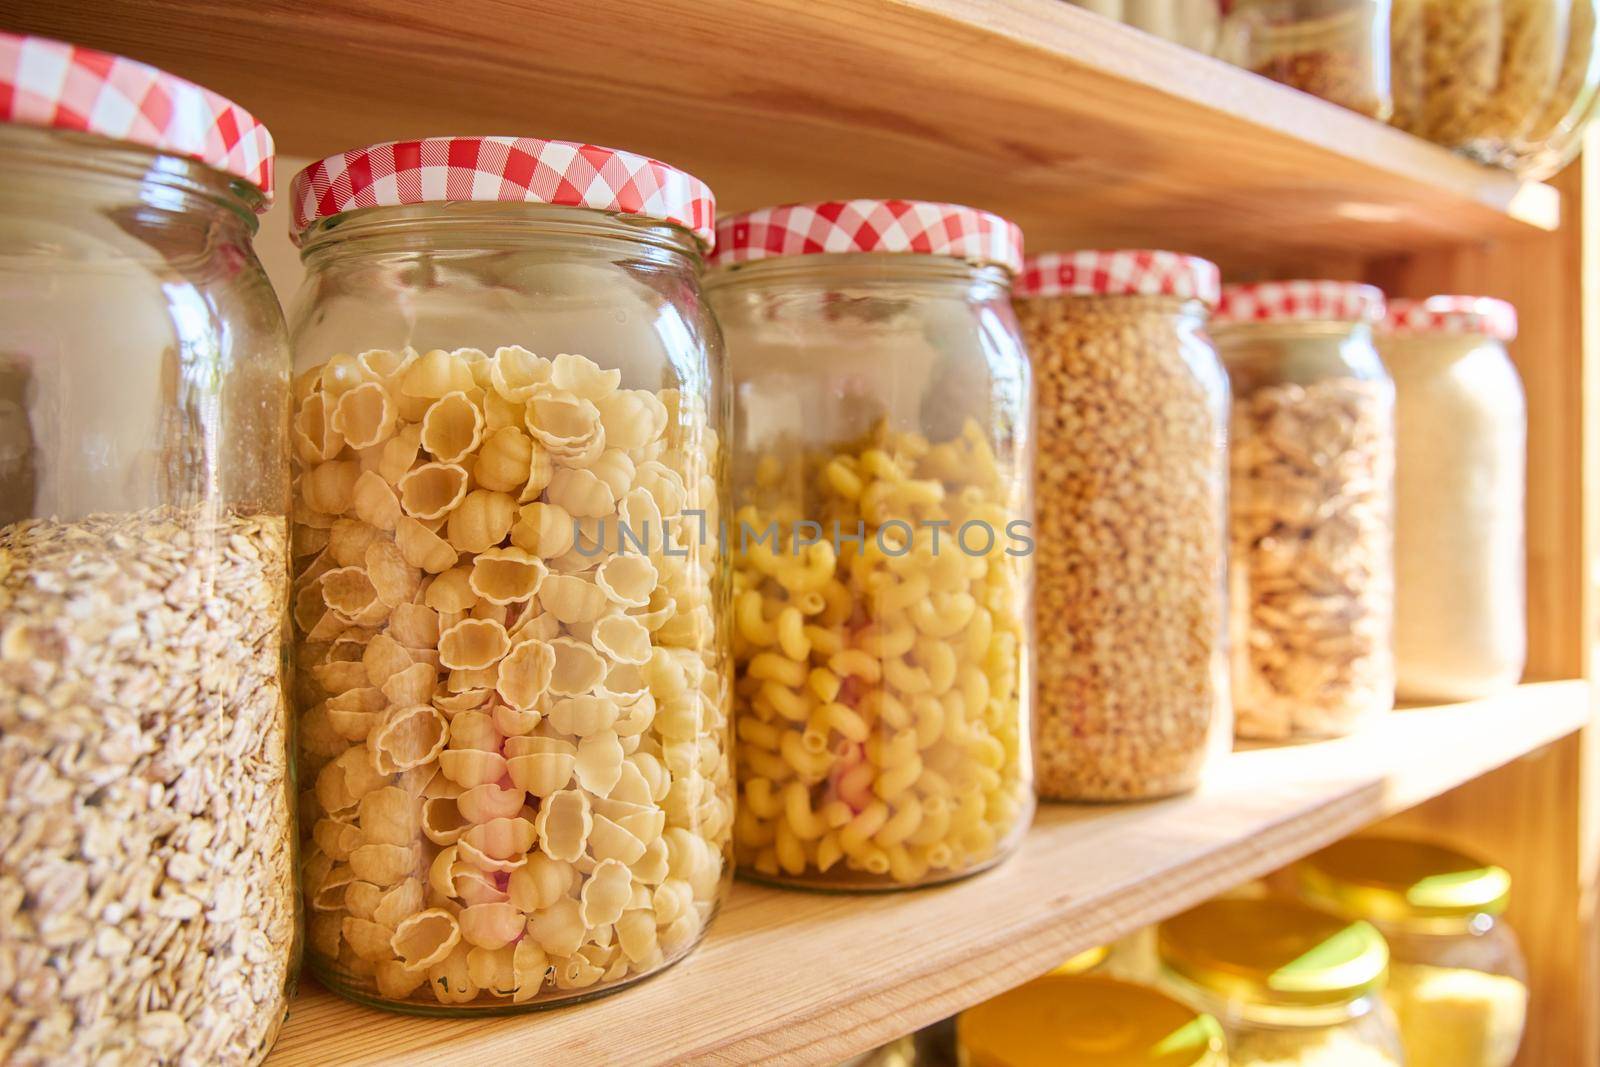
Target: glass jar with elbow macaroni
(148, 910)
(881, 542)
(1311, 505)
(1458, 983)
(1292, 985)
(1132, 516)
(514, 688)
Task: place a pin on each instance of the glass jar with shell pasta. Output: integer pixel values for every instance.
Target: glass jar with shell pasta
(513, 685)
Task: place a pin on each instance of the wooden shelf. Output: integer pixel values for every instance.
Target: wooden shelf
(809, 978)
(1086, 132)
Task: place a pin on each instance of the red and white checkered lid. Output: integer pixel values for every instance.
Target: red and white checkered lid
(1126, 272)
(1481, 315)
(60, 86)
(911, 226)
(527, 170)
(1299, 301)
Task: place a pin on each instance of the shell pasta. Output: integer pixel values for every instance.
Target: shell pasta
(882, 692)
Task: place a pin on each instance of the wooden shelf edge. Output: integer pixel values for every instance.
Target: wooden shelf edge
(809, 978)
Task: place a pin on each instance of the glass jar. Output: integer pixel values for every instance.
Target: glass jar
(1476, 75)
(883, 451)
(1312, 504)
(1335, 49)
(1293, 986)
(1462, 429)
(513, 678)
(1557, 134)
(901, 1052)
(1060, 1021)
(146, 812)
(1132, 517)
(1457, 980)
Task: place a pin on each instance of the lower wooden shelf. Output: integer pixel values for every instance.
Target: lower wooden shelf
(808, 978)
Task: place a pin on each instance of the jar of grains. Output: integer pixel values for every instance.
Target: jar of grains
(1132, 513)
(1312, 595)
(1457, 977)
(1462, 428)
(1335, 49)
(883, 461)
(1477, 75)
(1292, 985)
(147, 903)
(513, 684)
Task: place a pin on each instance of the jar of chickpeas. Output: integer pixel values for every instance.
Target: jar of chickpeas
(881, 541)
(513, 681)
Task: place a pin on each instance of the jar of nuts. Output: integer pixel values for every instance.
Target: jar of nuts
(882, 541)
(1335, 49)
(1132, 492)
(1478, 75)
(514, 684)
(1312, 500)
(148, 911)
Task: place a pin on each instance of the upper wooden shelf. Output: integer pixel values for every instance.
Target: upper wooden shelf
(1086, 132)
(796, 977)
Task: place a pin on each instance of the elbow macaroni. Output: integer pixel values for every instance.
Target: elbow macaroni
(883, 727)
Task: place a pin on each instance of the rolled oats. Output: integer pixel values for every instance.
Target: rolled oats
(147, 904)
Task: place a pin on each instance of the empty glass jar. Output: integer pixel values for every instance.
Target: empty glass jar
(1312, 504)
(514, 685)
(146, 810)
(883, 450)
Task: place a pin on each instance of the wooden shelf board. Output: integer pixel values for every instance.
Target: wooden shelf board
(787, 977)
(1085, 131)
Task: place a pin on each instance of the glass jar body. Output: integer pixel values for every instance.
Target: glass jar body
(1460, 993)
(1132, 558)
(885, 682)
(1460, 580)
(1312, 503)
(1556, 134)
(1359, 1033)
(144, 385)
(513, 680)
(1477, 75)
(1335, 49)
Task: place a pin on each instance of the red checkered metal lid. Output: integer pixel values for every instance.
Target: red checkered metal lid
(1482, 315)
(527, 170)
(1126, 272)
(60, 86)
(1299, 301)
(913, 226)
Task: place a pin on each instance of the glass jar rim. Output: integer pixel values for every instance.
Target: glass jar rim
(864, 266)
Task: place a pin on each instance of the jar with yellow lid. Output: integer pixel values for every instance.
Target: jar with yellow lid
(1293, 986)
(1457, 980)
(1087, 1021)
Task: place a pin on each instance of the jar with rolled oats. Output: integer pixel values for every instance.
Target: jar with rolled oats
(1311, 507)
(147, 898)
(1131, 505)
(508, 596)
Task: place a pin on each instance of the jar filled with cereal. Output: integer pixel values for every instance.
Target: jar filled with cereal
(1132, 517)
(881, 540)
(1311, 506)
(1292, 985)
(513, 682)
(148, 911)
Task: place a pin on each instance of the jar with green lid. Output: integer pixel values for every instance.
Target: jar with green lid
(1458, 982)
(1292, 985)
(1087, 1021)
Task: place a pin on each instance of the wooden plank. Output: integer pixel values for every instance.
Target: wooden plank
(805, 978)
(1085, 131)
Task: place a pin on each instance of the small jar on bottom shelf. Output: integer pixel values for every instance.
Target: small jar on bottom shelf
(1461, 433)
(881, 543)
(514, 686)
(1335, 49)
(1311, 505)
(1293, 986)
(148, 911)
(1457, 978)
(1087, 1021)
(1132, 522)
